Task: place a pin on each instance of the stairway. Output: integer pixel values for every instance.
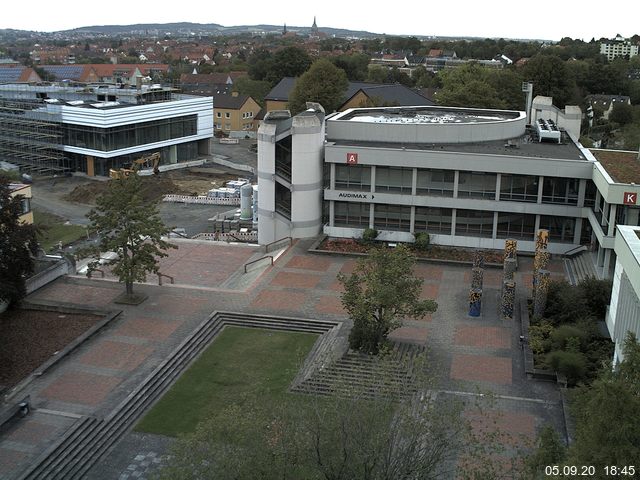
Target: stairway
(580, 267)
(91, 438)
(367, 376)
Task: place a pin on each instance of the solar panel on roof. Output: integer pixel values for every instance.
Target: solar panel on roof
(11, 74)
(65, 72)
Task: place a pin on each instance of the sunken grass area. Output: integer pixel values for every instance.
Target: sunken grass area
(240, 364)
(52, 229)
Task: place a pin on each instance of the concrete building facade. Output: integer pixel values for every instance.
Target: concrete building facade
(623, 314)
(468, 177)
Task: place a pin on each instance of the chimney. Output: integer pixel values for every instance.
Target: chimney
(234, 94)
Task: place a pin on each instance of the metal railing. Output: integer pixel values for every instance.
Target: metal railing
(270, 257)
(160, 275)
(573, 251)
(269, 245)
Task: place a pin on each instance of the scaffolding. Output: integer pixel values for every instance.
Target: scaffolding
(31, 136)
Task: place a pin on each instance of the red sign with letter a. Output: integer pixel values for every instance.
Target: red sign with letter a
(352, 158)
(630, 198)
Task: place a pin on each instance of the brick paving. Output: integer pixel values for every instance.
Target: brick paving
(115, 355)
(469, 352)
(476, 336)
(481, 368)
(80, 387)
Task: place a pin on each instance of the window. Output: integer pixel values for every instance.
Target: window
(516, 225)
(590, 194)
(560, 190)
(227, 126)
(219, 114)
(433, 220)
(477, 185)
(474, 223)
(435, 182)
(392, 217)
(25, 205)
(561, 229)
(353, 177)
(394, 179)
(519, 188)
(348, 214)
(227, 115)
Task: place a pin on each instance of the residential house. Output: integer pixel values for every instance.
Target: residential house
(605, 103)
(234, 114)
(18, 74)
(618, 47)
(24, 191)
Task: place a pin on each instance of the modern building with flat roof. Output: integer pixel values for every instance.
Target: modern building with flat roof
(92, 128)
(623, 314)
(468, 177)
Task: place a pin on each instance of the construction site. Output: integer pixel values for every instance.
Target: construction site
(31, 136)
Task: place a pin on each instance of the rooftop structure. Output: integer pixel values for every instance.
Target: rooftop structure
(95, 127)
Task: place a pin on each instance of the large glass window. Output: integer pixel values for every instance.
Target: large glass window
(108, 139)
(392, 217)
(353, 177)
(561, 229)
(348, 214)
(560, 190)
(394, 179)
(519, 188)
(435, 182)
(516, 225)
(433, 220)
(474, 223)
(590, 194)
(477, 185)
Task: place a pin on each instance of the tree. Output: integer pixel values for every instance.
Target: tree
(347, 437)
(380, 292)
(622, 113)
(129, 226)
(323, 83)
(550, 78)
(256, 89)
(18, 245)
(288, 62)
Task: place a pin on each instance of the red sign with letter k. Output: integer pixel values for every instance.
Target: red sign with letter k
(630, 198)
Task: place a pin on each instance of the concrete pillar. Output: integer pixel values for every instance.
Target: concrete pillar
(371, 215)
(456, 179)
(332, 212)
(414, 182)
(577, 231)
(494, 231)
(173, 154)
(607, 263)
(540, 297)
(632, 216)
(612, 220)
(582, 190)
(453, 219)
(412, 219)
(508, 299)
(373, 179)
(498, 186)
(332, 177)
(540, 189)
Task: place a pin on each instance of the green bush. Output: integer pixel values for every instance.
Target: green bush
(565, 303)
(539, 335)
(369, 235)
(422, 241)
(561, 337)
(571, 364)
(597, 294)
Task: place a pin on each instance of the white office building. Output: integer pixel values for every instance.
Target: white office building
(94, 128)
(468, 177)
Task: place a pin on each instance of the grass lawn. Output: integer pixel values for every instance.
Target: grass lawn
(240, 363)
(53, 230)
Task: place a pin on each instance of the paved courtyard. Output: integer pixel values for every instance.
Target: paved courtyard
(471, 356)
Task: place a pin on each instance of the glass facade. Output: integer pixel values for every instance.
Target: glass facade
(392, 217)
(394, 180)
(560, 190)
(474, 223)
(433, 220)
(477, 185)
(519, 188)
(126, 136)
(435, 182)
(347, 214)
(561, 229)
(353, 177)
(516, 225)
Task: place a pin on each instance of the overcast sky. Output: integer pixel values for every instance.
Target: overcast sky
(547, 19)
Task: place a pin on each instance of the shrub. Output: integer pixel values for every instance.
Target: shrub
(422, 241)
(561, 337)
(369, 235)
(565, 303)
(597, 294)
(571, 364)
(539, 335)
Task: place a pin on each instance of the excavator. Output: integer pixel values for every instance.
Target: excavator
(147, 161)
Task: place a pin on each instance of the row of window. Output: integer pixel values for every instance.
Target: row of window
(470, 223)
(228, 115)
(517, 188)
(116, 138)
